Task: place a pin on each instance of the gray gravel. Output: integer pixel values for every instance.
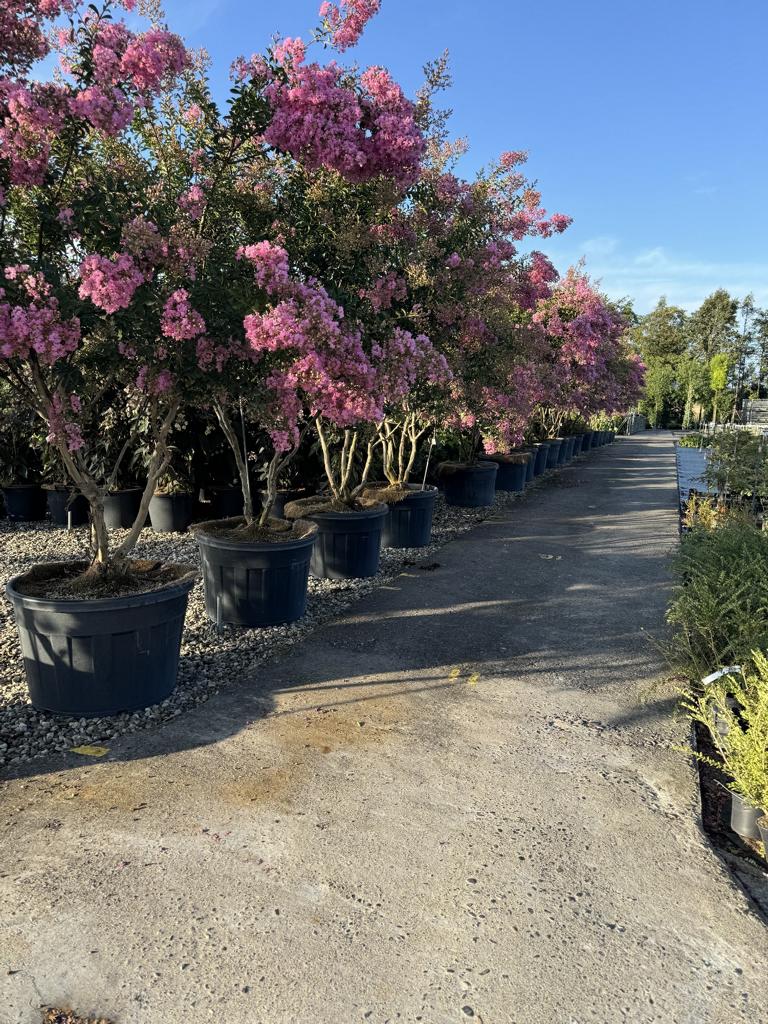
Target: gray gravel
(209, 659)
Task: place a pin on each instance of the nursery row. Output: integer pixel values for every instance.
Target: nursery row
(212, 655)
(294, 289)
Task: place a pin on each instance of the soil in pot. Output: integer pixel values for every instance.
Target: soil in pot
(171, 513)
(469, 485)
(100, 646)
(63, 503)
(411, 510)
(121, 508)
(24, 503)
(255, 576)
(512, 472)
(348, 544)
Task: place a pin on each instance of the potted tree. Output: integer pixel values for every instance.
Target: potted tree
(90, 246)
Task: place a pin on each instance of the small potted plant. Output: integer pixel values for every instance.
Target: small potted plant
(172, 504)
(734, 710)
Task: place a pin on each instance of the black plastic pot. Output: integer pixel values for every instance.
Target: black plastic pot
(568, 443)
(254, 583)
(470, 485)
(586, 443)
(511, 475)
(348, 544)
(529, 473)
(541, 458)
(563, 451)
(577, 443)
(171, 513)
(409, 523)
(62, 505)
(744, 818)
(24, 503)
(100, 657)
(121, 508)
(553, 456)
(281, 500)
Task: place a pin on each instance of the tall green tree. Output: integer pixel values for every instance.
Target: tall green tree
(661, 337)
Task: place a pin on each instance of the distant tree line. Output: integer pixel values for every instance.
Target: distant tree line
(701, 366)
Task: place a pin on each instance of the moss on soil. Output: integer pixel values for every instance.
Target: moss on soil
(72, 581)
(324, 503)
(277, 531)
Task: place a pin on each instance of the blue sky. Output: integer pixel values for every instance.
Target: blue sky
(644, 120)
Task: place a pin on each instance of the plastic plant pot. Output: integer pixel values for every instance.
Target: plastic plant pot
(121, 508)
(24, 503)
(541, 458)
(744, 818)
(578, 440)
(100, 657)
(511, 475)
(569, 443)
(348, 544)
(553, 457)
(586, 443)
(65, 509)
(409, 523)
(469, 485)
(254, 583)
(529, 469)
(171, 513)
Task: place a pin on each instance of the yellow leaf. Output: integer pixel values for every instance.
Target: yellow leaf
(90, 751)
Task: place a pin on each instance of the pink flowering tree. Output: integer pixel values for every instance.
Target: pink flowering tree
(91, 308)
(468, 286)
(588, 368)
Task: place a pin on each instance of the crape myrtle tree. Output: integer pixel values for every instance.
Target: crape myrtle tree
(590, 368)
(97, 241)
(468, 284)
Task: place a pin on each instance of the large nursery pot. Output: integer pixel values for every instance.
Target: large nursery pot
(409, 523)
(569, 442)
(24, 502)
(562, 454)
(541, 457)
(512, 472)
(121, 508)
(66, 508)
(529, 469)
(348, 542)
(586, 442)
(171, 513)
(93, 657)
(469, 485)
(744, 818)
(254, 582)
(554, 452)
(578, 440)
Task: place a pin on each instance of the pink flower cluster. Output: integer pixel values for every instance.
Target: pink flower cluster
(192, 202)
(34, 113)
(404, 361)
(270, 263)
(319, 118)
(33, 322)
(346, 21)
(109, 283)
(60, 425)
(180, 320)
(385, 291)
(290, 52)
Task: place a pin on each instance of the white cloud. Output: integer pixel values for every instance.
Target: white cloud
(648, 274)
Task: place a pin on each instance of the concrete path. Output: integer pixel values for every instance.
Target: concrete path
(458, 803)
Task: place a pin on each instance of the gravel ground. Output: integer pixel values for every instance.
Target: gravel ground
(209, 659)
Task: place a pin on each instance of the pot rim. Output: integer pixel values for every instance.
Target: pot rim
(379, 510)
(101, 604)
(228, 544)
